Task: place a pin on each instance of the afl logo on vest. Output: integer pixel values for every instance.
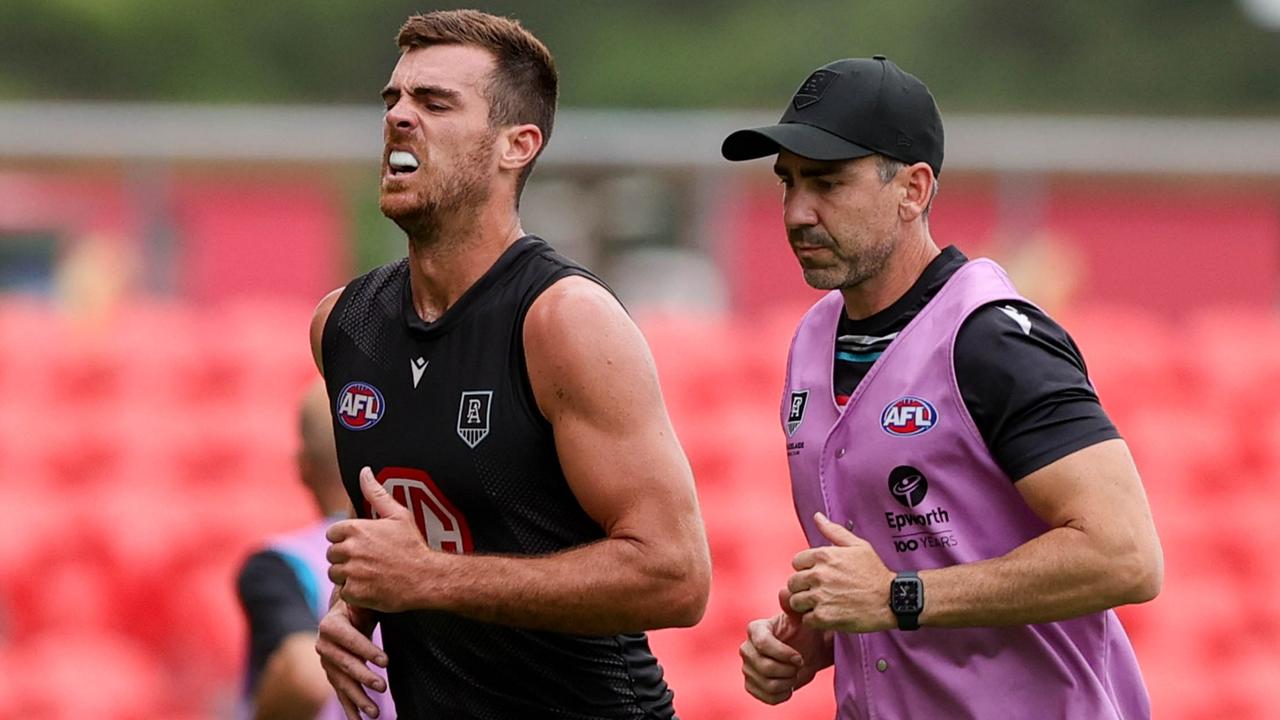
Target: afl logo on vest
(359, 406)
(907, 416)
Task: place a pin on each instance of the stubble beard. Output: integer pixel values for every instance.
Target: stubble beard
(442, 202)
(851, 269)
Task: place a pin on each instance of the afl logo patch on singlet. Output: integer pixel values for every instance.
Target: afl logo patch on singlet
(359, 406)
(908, 415)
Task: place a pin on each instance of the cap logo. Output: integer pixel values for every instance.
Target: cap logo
(812, 89)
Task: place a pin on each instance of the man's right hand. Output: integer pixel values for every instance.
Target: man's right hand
(344, 647)
(781, 655)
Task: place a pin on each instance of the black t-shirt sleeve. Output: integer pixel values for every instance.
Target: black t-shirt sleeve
(1025, 384)
(275, 605)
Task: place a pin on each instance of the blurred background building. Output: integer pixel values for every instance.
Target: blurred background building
(181, 182)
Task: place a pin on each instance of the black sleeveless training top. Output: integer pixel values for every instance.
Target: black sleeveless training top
(444, 414)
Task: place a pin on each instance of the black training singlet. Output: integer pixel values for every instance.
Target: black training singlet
(445, 416)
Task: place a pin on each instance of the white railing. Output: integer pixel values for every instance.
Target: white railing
(631, 138)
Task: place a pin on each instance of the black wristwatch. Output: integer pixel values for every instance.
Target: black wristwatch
(906, 599)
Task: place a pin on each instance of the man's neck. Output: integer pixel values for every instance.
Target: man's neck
(902, 270)
(444, 267)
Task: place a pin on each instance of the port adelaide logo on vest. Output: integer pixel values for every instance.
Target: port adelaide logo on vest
(359, 406)
(916, 530)
(908, 415)
(795, 411)
(796, 403)
(473, 416)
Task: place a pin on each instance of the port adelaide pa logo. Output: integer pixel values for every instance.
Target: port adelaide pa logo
(908, 415)
(473, 416)
(359, 406)
(795, 411)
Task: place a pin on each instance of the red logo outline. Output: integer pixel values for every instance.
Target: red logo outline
(414, 484)
(900, 428)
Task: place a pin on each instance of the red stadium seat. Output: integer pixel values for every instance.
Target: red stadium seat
(761, 366)
(1173, 444)
(270, 345)
(224, 357)
(8, 690)
(144, 457)
(88, 445)
(205, 625)
(167, 358)
(72, 596)
(49, 535)
(697, 359)
(712, 686)
(30, 333)
(87, 675)
(1131, 355)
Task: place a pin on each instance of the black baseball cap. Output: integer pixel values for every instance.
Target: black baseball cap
(850, 109)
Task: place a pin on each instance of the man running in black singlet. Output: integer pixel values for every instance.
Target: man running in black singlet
(525, 510)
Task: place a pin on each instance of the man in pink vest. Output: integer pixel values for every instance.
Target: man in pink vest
(284, 590)
(973, 514)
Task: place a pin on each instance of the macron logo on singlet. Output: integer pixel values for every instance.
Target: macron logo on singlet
(418, 366)
(1023, 321)
(359, 406)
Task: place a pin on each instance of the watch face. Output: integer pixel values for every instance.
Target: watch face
(906, 595)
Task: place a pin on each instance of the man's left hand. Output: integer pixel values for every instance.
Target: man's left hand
(843, 586)
(379, 563)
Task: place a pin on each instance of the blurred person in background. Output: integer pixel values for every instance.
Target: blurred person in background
(284, 589)
(525, 510)
(972, 512)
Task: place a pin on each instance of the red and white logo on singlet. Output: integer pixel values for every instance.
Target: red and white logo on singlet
(439, 521)
(359, 406)
(908, 415)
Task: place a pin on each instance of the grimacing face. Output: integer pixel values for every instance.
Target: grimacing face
(839, 217)
(438, 155)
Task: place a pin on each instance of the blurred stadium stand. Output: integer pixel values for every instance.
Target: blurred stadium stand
(146, 421)
(135, 493)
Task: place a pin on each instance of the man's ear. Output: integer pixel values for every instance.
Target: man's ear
(918, 183)
(518, 145)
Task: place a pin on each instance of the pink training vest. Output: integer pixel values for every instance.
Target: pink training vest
(905, 469)
(304, 550)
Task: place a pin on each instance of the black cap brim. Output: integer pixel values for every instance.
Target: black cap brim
(806, 141)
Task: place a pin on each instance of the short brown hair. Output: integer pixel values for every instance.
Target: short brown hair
(524, 84)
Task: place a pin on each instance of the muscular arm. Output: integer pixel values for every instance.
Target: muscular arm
(1102, 550)
(1024, 382)
(318, 321)
(595, 381)
(293, 684)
